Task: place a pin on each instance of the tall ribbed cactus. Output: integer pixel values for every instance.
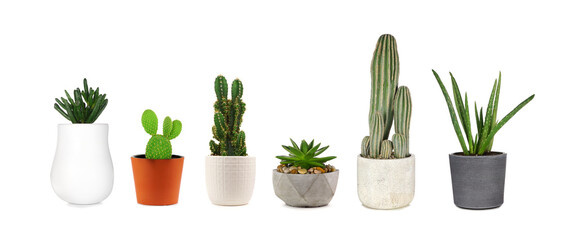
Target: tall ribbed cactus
(384, 80)
(388, 103)
(159, 146)
(227, 119)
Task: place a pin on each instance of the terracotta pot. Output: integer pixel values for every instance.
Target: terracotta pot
(157, 181)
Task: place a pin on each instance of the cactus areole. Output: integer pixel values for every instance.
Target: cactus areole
(388, 103)
(231, 141)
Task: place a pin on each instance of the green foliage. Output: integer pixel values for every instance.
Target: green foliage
(305, 155)
(388, 102)
(231, 141)
(487, 126)
(86, 106)
(159, 146)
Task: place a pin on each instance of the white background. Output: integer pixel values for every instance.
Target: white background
(305, 69)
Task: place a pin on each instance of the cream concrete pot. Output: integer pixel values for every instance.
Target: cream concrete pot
(230, 179)
(82, 170)
(386, 183)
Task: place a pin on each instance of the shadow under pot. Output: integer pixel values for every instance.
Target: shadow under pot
(82, 170)
(386, 183)
(478, 181)
(230, 179)
(157, 181)
(305, 190)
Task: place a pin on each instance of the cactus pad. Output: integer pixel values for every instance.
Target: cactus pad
(158, 147)
(150, 122)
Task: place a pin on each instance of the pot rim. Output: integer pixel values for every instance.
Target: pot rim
(82, 124)
(460, 154)
(142, 156)
(390, 159)
(235, 157)
(276, 171)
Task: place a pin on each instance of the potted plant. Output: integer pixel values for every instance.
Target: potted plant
(82, 171)
(158, 173)
(303, 179)
(477, 173)
(229, 172)
(386, 169)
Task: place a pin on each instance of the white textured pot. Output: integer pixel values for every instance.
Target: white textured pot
(230, 179)
(82, 171)
(386, 183)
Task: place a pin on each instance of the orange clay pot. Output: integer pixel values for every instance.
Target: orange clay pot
(157, 181)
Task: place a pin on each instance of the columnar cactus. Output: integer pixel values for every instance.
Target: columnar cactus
(403, 109)
(228, 119)
(388, 103)
(159, 146)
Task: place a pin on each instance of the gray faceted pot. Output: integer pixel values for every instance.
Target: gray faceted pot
(305, 190)
(478, 181)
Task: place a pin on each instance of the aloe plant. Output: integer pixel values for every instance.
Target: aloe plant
(86, 106)
(388, 103)
(487, 126)
(305, 155)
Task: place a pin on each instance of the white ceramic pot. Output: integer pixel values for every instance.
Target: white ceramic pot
(82, 172)
(386, 183)
(230, 179)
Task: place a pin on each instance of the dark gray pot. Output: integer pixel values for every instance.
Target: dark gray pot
(478, 181)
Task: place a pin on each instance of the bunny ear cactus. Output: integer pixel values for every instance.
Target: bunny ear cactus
(228, 119)
(159, 146)
(388, 103)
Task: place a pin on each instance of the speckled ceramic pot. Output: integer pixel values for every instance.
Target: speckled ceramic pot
(386, 183)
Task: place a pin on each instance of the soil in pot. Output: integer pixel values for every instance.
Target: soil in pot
(157, 181)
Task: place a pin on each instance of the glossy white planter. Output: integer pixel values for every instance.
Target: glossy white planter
(386, 183)
(82, 172)
(230, 179)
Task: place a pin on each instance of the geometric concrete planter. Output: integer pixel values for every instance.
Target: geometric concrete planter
(386, 183)
(230, 179)
(305, 190)
(478, 181)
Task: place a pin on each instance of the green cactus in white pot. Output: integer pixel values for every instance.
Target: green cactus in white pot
(385, 165)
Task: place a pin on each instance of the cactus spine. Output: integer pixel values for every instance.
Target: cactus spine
(159, 146)
(388, 103)
(228, 119)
